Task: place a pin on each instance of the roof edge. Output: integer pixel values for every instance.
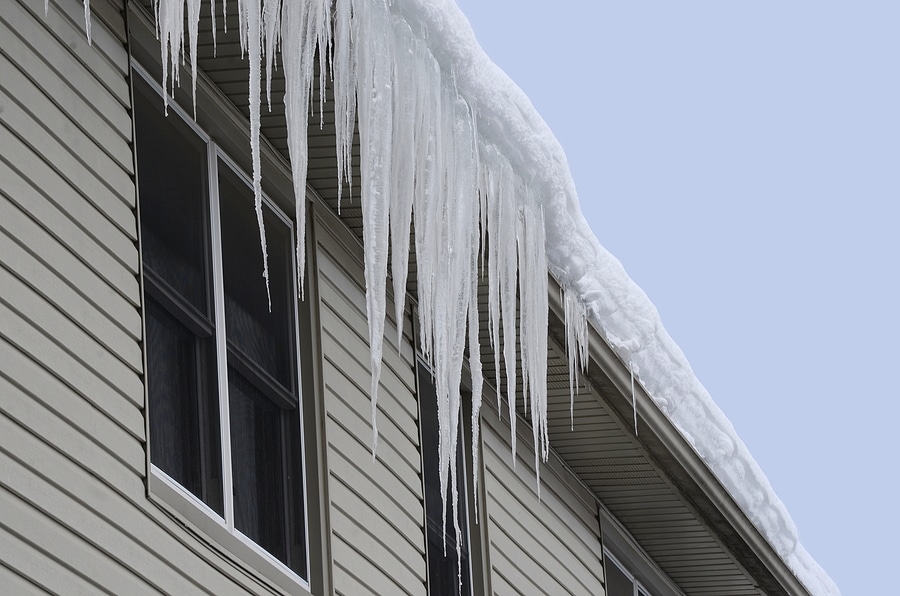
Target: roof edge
(691, 466)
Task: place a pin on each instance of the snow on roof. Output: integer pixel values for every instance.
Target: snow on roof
(615, 304)
(421, 57)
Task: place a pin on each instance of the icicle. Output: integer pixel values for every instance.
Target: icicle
(633, 395)
(482, 197)
(475, 364)
(193, 16)
(487, 190)
(403, 162)
(345, 81)
(170, 29)
(446, 236)
(508, 277)
(372, 30)
(428, 195)
(533, 323)
(324, 39)
(576, 344)
(305, 24)
(478, 235)
(243, 30)
(251, 29)
(212, 16)
(170, 21)
(462, 256)
(271, 15)
(87, 18)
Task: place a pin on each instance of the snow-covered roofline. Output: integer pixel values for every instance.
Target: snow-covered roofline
(448, 137)
(616, 306)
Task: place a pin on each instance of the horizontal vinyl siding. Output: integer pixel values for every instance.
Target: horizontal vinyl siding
(546, 546)
(376, 507)
(74, 514)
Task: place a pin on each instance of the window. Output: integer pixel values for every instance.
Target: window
(443, 566)
(619, 582)
(222, 373)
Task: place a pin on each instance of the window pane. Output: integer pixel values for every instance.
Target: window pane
(617, 583)
(171, 162)
(184, 412)
(443, 570)
(443, 573)
(263, 336)
(263, 398)
(258, 463)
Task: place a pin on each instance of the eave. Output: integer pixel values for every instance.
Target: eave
(671, 478)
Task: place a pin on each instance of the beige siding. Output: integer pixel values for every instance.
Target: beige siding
(75, 517)
(376, 508)
(546, 546)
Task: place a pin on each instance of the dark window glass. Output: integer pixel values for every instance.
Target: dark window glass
(257, 461)
(617, 583)
(182, 412)
(443, 565)
(261, 335)
(171, 162)
(263, 401)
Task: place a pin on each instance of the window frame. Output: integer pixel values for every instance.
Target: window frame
(165, 492)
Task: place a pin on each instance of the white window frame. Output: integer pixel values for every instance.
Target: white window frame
(164, 490)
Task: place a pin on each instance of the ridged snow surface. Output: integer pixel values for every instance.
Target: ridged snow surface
(450, 145)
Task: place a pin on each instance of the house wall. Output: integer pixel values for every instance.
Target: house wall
(549, 545)
(376, 507)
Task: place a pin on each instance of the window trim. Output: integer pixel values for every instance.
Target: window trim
(218, 531)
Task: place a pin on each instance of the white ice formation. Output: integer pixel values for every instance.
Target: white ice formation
(418, 78)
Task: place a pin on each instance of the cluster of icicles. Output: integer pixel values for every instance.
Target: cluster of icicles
(422, 161)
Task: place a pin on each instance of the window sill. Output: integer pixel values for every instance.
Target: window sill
(209, 527)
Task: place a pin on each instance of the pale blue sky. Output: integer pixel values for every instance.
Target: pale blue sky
(742, 160)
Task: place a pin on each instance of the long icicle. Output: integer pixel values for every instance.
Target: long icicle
(305, 26)
(403, 163)
(576, 344)
(372, 30)
(252, 16)
(345, 76)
